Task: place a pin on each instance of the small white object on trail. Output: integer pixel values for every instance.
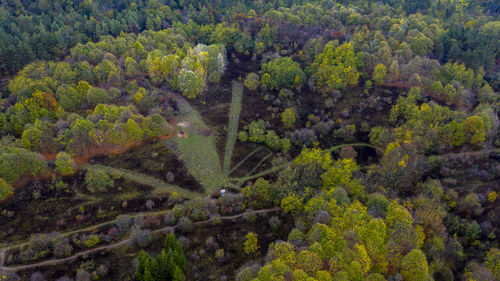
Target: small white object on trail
(183, 124)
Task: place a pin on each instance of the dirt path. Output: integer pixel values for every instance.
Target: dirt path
(114, 245)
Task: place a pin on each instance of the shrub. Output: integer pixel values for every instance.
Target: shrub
(377, 204)
(64, 279)
(123, 222)
(472, 231)
(219, 254)
(98, 180)
(214, 77)
(37, 276)
(470, 205)
(170, 219)
(340, 195)
(65, 164)
(5, 189)
(295, 235)
(252, 81)
(250, 245)
(247, 272)
(91, 241)
(379, 74)
(257, 133)
(288, 117)
(492, 196)
(83, 275)
(275, 223)
(292, 204)
(493, 261)
(185, 224)
(62, 249)
(140, 237)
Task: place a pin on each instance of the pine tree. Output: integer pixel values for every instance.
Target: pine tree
(143, 267)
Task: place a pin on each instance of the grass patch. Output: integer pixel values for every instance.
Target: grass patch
(244, 159)
(197, 149)
(147, 181)
(234, 117)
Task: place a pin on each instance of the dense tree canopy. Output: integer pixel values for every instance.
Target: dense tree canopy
(336, 67)
(364, 146)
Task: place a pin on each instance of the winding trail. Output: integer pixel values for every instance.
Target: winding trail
(117, 244)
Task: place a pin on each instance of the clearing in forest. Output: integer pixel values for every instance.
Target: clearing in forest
(195, 145)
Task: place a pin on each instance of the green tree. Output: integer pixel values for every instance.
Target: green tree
(191, 84)
(5, 189)
(69, 98)
(450, 93)
(336, 67)
(130, 66)
(292, 204)
(475, 130)
(97, 180)
(282, 73)
(134, 132)
(414, 266)
(143, 264)
(250, 245)
(96, 96)
(394, 71)
(379, 74)
(167, 265)
(65, 164)
(252, 81)
(421, 45)
(288, 117)
(493, 262)
(30, 139)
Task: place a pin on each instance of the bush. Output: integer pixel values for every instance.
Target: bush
(91, 241)
(250, 245)
(295, 235)
(214, 77)
(275, 223)
(257, 133)
(170, 219)
(288, 117)
(123, 222)
(83, 275)
(341, 196)
(185, 224)
(140, 237)
(65, 164)
(37, 276)
(470, 205)
(379, 74)
(5, 189)
(377, 205)
(247, 272)
(98, 180)
(252, 81)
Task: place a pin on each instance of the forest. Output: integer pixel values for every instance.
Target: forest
(287, 140)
